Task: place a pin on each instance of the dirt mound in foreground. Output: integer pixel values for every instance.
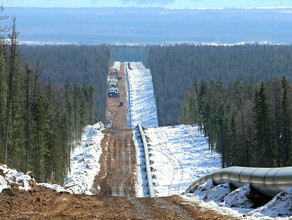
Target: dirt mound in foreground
(42, 203)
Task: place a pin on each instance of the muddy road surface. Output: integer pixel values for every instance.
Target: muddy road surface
(114, 185)
(116, 112)
(42, 203)
(118, 164)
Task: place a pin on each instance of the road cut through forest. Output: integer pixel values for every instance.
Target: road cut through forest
(114, 185)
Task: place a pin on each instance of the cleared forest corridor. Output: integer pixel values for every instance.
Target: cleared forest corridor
(114, 185)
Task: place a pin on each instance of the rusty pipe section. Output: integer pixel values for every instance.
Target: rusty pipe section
(269, 181)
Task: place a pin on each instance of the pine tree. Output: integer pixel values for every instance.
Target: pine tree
(263, 129)
(42, 137)
(235, 154)
(286, 126)
(3, 102)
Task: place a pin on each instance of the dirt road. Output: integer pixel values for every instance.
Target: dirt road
(116, 112)
(117, 175)
(114, 185)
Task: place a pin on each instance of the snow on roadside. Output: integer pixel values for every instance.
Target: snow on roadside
(228, 212)
(179, 155)
(9, 177)
(55, 187)
(141, 96)
(85, 161)
(84, 167)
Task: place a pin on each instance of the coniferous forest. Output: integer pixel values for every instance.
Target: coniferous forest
(174, 69)
(42, 120)
(78, 64)
(248, 123)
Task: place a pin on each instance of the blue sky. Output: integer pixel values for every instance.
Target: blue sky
(151, 3)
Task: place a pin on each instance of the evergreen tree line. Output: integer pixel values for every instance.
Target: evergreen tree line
(249, 124)
(40, 122)
(174, 69)
(80, 64)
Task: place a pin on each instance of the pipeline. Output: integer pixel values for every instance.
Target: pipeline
(145, 146)
(129, 113)
(269, 181)
(147, 163)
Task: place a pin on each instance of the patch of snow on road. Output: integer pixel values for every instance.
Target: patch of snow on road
(85, 161)
(140, 96)
(179, 155)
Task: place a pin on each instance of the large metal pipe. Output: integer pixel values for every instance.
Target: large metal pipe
(269, 181)
(129, 112)
(147, 162)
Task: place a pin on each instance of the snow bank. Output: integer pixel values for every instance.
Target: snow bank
(279, 206)
(217, 193)
(9, 177)
(179, 155)
(202, 190)
(238, 198)
(54, 187)
(84, 167)
(236, 203)
(141, 96)
(85, 161)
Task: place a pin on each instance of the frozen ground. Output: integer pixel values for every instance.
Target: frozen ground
(85, 161)
(179, 155)
(140, 96)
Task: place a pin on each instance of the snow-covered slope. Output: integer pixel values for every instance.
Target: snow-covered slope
(85, 161)
(84, 167)
(140, 96)
(178, 156)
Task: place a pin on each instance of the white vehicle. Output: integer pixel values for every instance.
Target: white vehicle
(113, 92)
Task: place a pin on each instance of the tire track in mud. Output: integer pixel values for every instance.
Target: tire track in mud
(118, 165)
